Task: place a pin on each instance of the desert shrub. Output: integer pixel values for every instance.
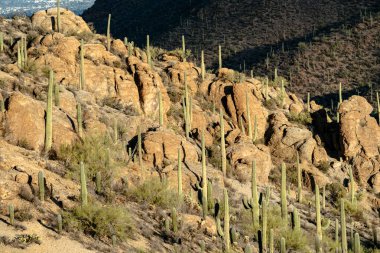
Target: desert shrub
(23, 214)
(98, 153)
(323, 166)
(337, 191)
(303, 118)
(154, 192)
(20, 241)
(271, 104)
(99, 221)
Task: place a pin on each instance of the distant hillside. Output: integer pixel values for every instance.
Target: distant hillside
(246, 29)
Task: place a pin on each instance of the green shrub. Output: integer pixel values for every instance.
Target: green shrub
(337, 191)
(303, 118)
(154, 192)
(98, 153)
(99, 221)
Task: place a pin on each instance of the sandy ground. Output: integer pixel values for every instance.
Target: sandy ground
(51, 242)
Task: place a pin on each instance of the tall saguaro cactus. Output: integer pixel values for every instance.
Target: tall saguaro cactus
(183, 48)
(357, 243)
(11, 211)
(204, 177)
(83, 185)
(80, 120)
(283, 245)
(343, 227)
(148, 55)
(220, 56)
(352, 190)
(1, 42)
(41, 186)
(284, 203)
(59, 16)
(222, 142)
(227, 241)
(109, 33)
(49, 114)
(271, 241)
(318, 213)
(203, 67)
(255, 199)
(264, 222)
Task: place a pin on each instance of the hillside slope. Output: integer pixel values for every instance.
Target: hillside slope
(139, 154)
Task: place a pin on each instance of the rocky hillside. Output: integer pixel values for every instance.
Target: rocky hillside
(106, 147)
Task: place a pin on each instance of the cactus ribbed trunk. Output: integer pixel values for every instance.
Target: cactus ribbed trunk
(183, 49)
(324, 197)
(59, 223)
(318, 213)
(79, 120)
(255, 128)
(343, 227)
(357, 243)
(283, 245)
(83, 184)
(174, 220)
(1, 42)
(222, 143)
(41, 186)
(220, 56)
(203, 67)
(284, 203)
(59, 16)
(352, 190)
(296, 220)
(227, 241)
(11, 211)
(49, 114)
(109, 33)
(271, 241)
(179, 174)
(204, 178)
(185, 118)
(264, 221)
(254, 196)
(308, 102)
(148, 55)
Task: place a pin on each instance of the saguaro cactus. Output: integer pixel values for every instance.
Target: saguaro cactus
(255, 129)
(79, 120)
(59, 223)
(41, 186)
(253, 202)
(343, 227)
(220, 56)
(296, 220)
(148, 55)
(82, 79)
(318, 213)
(283, 245)
(161, 109)
(308, 102)
(49, 114)
(222, 142)
(352, 190)
(59, 15)
(98, 182)
(225, 233)
(284, 203)
(324, 197)
(183, 49)
(11, 211)
(1, 42)
(83, 184)
(357, 243)
(179, 173)
(203, 68)
(299, 179)
(109, 33)
(271, 241)
(174, 220)
(204, 177)
(264, 221)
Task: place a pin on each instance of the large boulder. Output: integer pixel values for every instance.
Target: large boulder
(285, 138)
(177, 74)
(46, 20)
(360, 137)
(161, 147)
(25, 124)
(242, 155)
